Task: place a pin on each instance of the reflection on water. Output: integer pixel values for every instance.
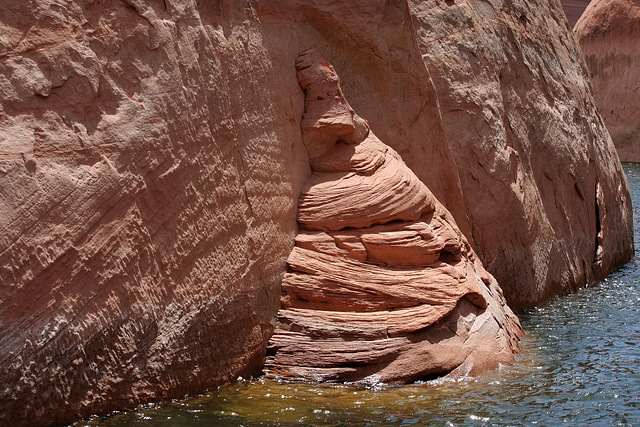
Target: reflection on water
(580, 365)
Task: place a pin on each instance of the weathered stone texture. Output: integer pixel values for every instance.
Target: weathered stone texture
(382, 285)
(151, 158)
(530, 147)
(609, 35)
(148, 183)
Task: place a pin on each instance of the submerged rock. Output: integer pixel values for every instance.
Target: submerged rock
(382, 285)
(609, 35)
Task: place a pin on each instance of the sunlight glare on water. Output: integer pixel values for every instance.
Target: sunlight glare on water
(580, 365)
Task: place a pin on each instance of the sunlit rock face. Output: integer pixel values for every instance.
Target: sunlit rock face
(609, 35)
(151, 161)
(540, 175)
(382, 286)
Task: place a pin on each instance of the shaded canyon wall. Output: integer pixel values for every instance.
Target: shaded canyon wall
(151, 161)
(609, 35)
(574, 9)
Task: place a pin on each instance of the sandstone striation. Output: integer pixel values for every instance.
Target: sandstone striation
(382, 285)
(151, 160)
(609, 35)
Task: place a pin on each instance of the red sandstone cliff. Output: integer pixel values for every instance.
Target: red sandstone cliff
(151, 161)
(609, 34)
(538, 170)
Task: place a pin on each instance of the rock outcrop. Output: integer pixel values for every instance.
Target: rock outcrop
(151, 160)
(609, 34)
(537, 167)
(574, 9)
(382, 284)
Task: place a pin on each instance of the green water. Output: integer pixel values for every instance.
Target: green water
(580, 365)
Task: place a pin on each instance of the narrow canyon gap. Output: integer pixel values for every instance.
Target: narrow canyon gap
(609, 35)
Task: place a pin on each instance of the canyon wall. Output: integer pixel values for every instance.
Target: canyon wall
(574, 9)
(151, 160)
(609, 35)
(148, 184)
(537, 167)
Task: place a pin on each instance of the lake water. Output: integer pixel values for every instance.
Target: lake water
(580, 365)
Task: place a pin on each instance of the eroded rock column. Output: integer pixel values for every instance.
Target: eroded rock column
(381, 285)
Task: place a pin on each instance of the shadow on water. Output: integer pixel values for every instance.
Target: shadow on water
(580, 365)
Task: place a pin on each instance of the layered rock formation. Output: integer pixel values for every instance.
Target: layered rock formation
(382, 284)
(574, 9)
(609, 34)
(537, 167)
(151, 161)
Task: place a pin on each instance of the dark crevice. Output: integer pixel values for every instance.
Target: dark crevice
(597, 255)
(430, 377)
